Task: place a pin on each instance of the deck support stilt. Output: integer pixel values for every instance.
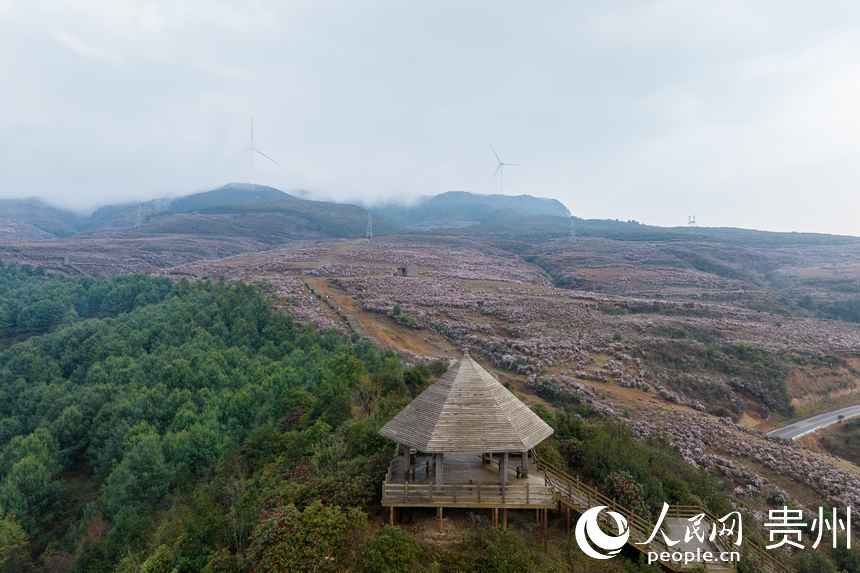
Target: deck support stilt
(496, 517)
(566, 519)
(439, 517)
(391, 515)
(545, 524)
(505, 513)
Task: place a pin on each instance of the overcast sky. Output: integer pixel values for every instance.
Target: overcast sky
(741, 113)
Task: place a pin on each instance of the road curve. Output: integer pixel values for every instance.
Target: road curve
(803, 427)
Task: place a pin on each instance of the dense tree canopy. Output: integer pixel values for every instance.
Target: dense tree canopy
(105, 420)
(31, 300)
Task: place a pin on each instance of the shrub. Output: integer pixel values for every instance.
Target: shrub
(319, 538)
(390, 551)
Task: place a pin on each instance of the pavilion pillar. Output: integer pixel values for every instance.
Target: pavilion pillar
(525, 464)
(439, 460)
(504, 469)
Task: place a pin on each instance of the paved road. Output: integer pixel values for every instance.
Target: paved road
(809, 425)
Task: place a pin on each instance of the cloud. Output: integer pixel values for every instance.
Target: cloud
(651, 110)
(83, 49)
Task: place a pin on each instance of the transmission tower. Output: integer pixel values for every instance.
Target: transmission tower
(369, 232)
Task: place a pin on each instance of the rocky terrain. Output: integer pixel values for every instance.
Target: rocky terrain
(110, 256)
(496, 303)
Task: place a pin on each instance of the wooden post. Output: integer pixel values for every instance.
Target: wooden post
(391, 515)
(505, 526)
(525, 463)
(439, 517)
(439, 462)
(495, 517)
(504, 469)
(544, 520)
(567, 519)
(537, 515)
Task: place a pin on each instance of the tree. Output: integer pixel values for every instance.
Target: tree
(142, 477)
(195, 449)
(390, 551)
(13, 544)
(29, 490)
(6, 318)
(319, 538)
(501, 552)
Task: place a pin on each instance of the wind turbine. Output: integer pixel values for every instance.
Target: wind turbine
(252, 150)
(500, 167)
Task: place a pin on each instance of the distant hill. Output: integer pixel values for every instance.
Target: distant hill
(232, 195)
(461, 209)
(269, 216)
(241, 210)
(635, 231)
(255, 211)
(124, 215)
(34, 219)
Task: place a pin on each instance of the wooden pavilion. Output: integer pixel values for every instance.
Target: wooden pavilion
(457, 443)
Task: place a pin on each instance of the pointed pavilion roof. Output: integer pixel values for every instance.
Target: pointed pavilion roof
(467, 411)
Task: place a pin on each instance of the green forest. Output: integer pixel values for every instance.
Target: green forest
(156, 427)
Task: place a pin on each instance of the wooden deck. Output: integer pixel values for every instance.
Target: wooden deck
(468, 483)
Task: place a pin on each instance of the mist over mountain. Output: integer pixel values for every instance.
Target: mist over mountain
(34, 218)
(272, 215)
(459, 209)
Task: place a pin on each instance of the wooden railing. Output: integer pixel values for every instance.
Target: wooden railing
(570, 491)
(579, 496)
(490, 495)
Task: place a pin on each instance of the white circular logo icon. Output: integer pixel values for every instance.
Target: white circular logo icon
(591, 538)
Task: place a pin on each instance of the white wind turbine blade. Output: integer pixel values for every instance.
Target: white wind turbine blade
(499, 159)
(255, 150)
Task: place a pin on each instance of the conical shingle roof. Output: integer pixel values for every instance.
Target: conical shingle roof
(467, 411)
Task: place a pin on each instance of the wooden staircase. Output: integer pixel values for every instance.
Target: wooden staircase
(573, 494)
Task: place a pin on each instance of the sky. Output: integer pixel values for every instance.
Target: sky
(743, 114)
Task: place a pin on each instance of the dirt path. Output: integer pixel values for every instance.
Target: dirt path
(384, 330)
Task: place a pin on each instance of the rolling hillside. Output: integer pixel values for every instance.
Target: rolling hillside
(461, 210)
(262, 213)
(35, 219)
